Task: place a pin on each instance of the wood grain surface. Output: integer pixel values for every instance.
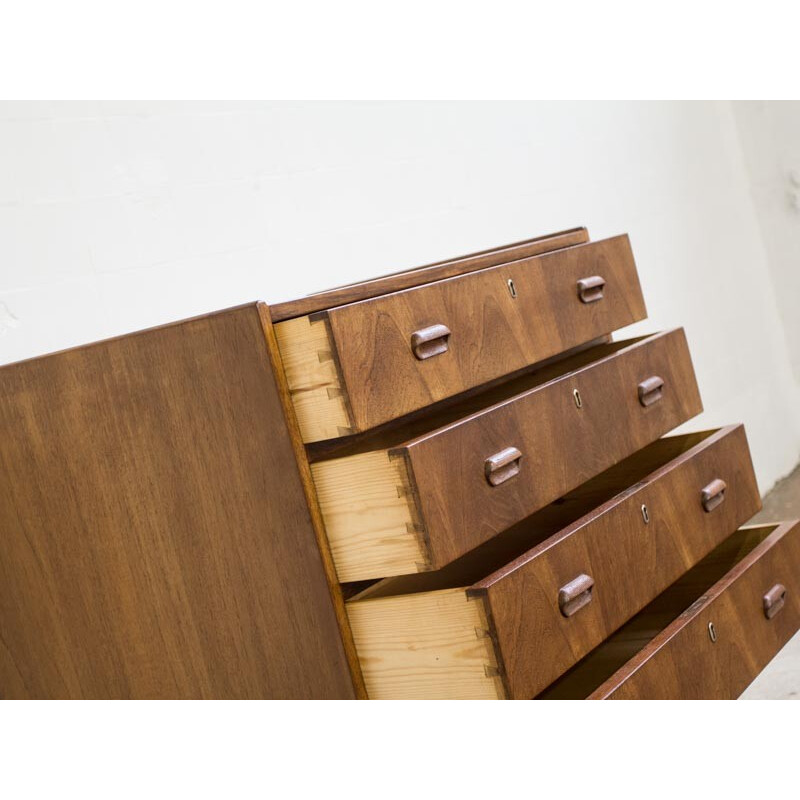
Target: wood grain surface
(629, 560)
(491, 334)
(370, 516)
(667, 651)
(562, 445)
(157, 539)
(439, 505)
(434, 645)
(431, 272)
(368, 500)
(312, 502)
(597, 529)
(312, 378)
(512, 547)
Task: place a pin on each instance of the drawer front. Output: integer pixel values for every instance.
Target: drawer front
(555, 604)
(401, 352)
(754, 610)
(482, 474)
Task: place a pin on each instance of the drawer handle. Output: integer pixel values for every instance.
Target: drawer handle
(430, 341)
(590, 290)
(774, 600)
(502, 466)
(573, 596)
(713, 494)
(651, 390)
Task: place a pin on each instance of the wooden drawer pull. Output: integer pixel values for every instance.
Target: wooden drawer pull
(713, 494)
(774, 600)
(590, 290)
(574, 595)
(502, 466)
(651, 390)
(430, 341)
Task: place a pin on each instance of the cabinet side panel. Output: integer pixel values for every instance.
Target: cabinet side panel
(156, 539)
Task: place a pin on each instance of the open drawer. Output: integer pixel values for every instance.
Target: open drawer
(357, 366)
(425, 495)
(499, 624)
(708, 635)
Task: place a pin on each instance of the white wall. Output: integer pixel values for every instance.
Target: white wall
(770, 136)
(117, 216)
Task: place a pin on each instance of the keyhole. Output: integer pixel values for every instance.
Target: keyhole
(577, 395)
(712, 632)
(645, 514)
(512, 289)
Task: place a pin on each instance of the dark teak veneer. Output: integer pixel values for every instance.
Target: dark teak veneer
(446, 482)
(159, 532)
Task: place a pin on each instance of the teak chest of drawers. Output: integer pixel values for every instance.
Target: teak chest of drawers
(448, 483)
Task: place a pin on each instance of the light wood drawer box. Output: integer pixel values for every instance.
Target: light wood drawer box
(710, 634)
(357, 366)
(619, 540)
(417, 504)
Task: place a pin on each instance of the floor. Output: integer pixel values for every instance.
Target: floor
(781, 679)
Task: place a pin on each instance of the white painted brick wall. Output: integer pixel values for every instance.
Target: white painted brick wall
(118, 216)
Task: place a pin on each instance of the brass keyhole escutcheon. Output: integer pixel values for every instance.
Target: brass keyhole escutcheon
(712, 632)
(512, 289)
(645, 514)
(578, 401)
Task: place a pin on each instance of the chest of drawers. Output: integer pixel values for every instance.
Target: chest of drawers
(448, 482)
